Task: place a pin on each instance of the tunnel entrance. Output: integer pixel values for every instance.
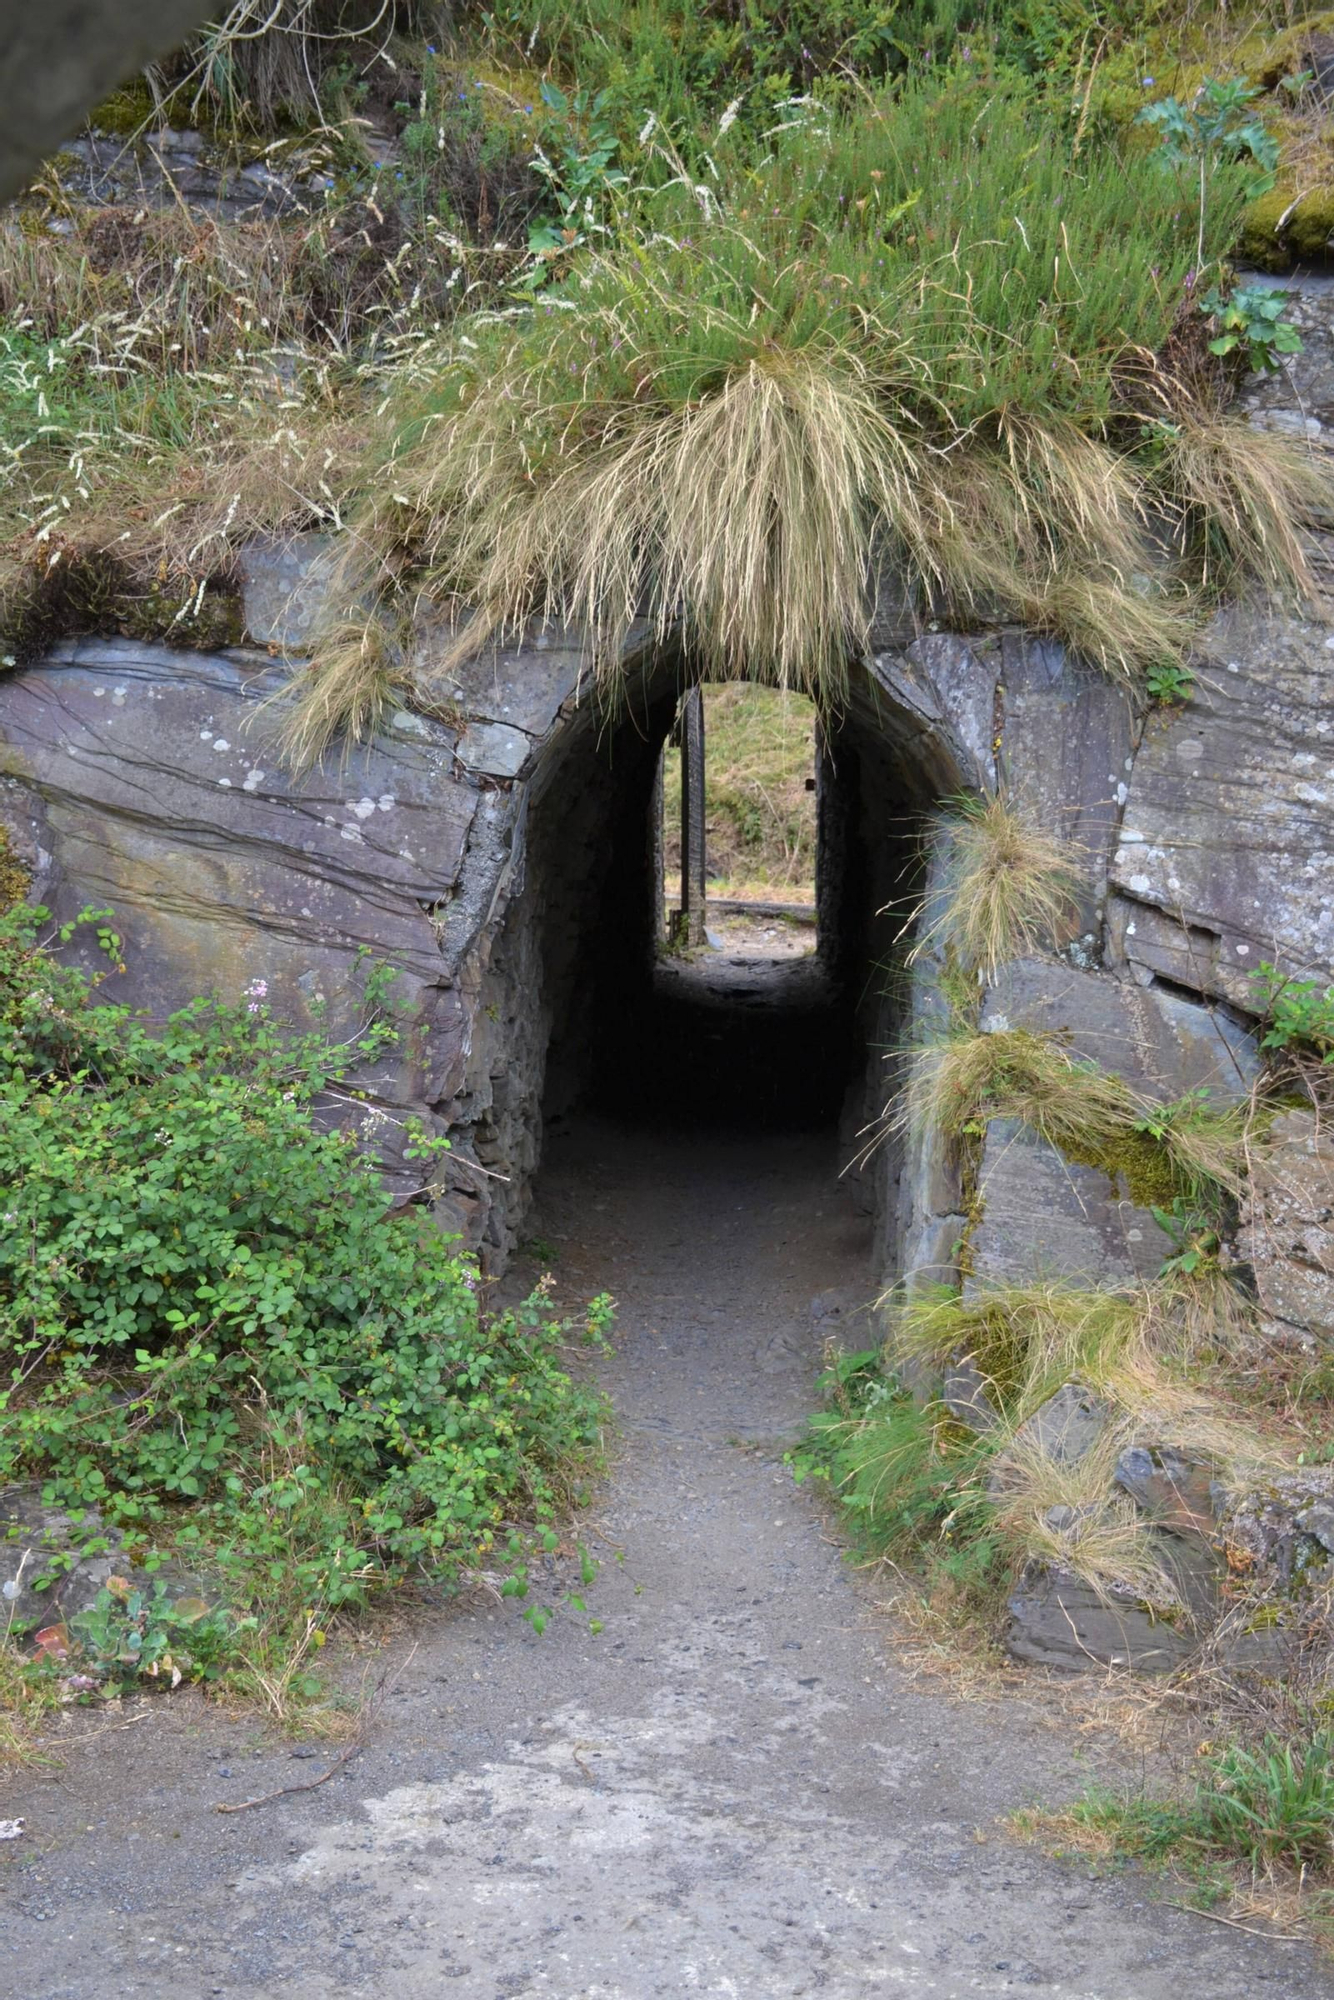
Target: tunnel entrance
(612, 1009)
(736, 1023)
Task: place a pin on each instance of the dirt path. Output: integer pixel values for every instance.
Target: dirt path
(732, 1790)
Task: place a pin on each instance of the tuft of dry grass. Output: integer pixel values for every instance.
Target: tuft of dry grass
(1027, 1342)
(746, 516)
(1090, 1114)
(1011, 885)
(1242, 498)
(1069, 1513)
(343, 692)
(957, 1085)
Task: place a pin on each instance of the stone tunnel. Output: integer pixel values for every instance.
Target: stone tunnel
(501, 860)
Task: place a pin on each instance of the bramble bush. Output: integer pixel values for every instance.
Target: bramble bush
(211, 1329)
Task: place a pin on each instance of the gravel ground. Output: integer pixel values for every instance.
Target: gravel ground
(734, 1789)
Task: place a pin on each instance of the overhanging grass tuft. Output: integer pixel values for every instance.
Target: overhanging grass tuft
(1011, 884)
(1015, 1073)
(761, 390)
(1188, 1147)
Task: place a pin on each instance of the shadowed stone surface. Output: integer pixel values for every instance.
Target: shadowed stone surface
(1068, 738)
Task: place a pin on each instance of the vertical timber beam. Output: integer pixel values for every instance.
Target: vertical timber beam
(657, 856)
(693, 855)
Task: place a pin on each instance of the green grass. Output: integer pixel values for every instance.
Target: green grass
(1188, 1148)
(731, 415)
(759, 352)
(759, 756)
(1254, 1830)
(966, 1508)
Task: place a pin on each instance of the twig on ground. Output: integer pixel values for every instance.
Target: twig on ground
(309, 1785)
(345, 1756)
(1235, 1923)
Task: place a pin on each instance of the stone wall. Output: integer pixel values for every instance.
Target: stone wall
(471, 855)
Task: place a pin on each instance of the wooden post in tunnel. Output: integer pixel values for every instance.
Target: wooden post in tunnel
(657, 855)
(693, 852)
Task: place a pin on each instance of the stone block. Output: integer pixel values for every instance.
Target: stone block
(1175, 1491)
(523, 686)
(1068, 736)
(1228, 830)
(494, 750)
(1046, 1219)
(1068, 1425)
(1287, 1232)
(1059, 1622)
(1161, 1043)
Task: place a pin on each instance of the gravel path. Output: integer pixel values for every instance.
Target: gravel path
(732, 1790)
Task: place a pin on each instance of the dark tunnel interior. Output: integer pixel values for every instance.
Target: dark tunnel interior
(642, 1035)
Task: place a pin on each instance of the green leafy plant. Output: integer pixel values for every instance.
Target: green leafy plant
(1194, 1239)
(1216, 131)
(1169, 682)
(212, 1330)
(1299, 1013)
(1251, 322)
(1218, 125)
(580, 176)
(130, 1634)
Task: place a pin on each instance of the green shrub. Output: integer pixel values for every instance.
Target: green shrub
(212, 1329)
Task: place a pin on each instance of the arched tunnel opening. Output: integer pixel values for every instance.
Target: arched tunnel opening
(631, 1023)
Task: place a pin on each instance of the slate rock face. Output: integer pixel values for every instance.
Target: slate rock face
(1287, 1233)
(1280, 1534)
(1068, 1425)
(146, 781)
(1226, 850)
(1045, 1217)
(1170, 1488)
(1059, 1622)
(1069, 736)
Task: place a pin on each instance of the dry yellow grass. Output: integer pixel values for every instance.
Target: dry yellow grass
(957, 1085)
(1010, 885)
(1027, 1342)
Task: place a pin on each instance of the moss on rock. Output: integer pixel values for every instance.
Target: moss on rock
(15, 880)
(1283, 228)
(1135, 1160)
(90, 591)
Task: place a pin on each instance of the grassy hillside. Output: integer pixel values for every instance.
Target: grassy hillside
(759, 757)
(708, 307)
